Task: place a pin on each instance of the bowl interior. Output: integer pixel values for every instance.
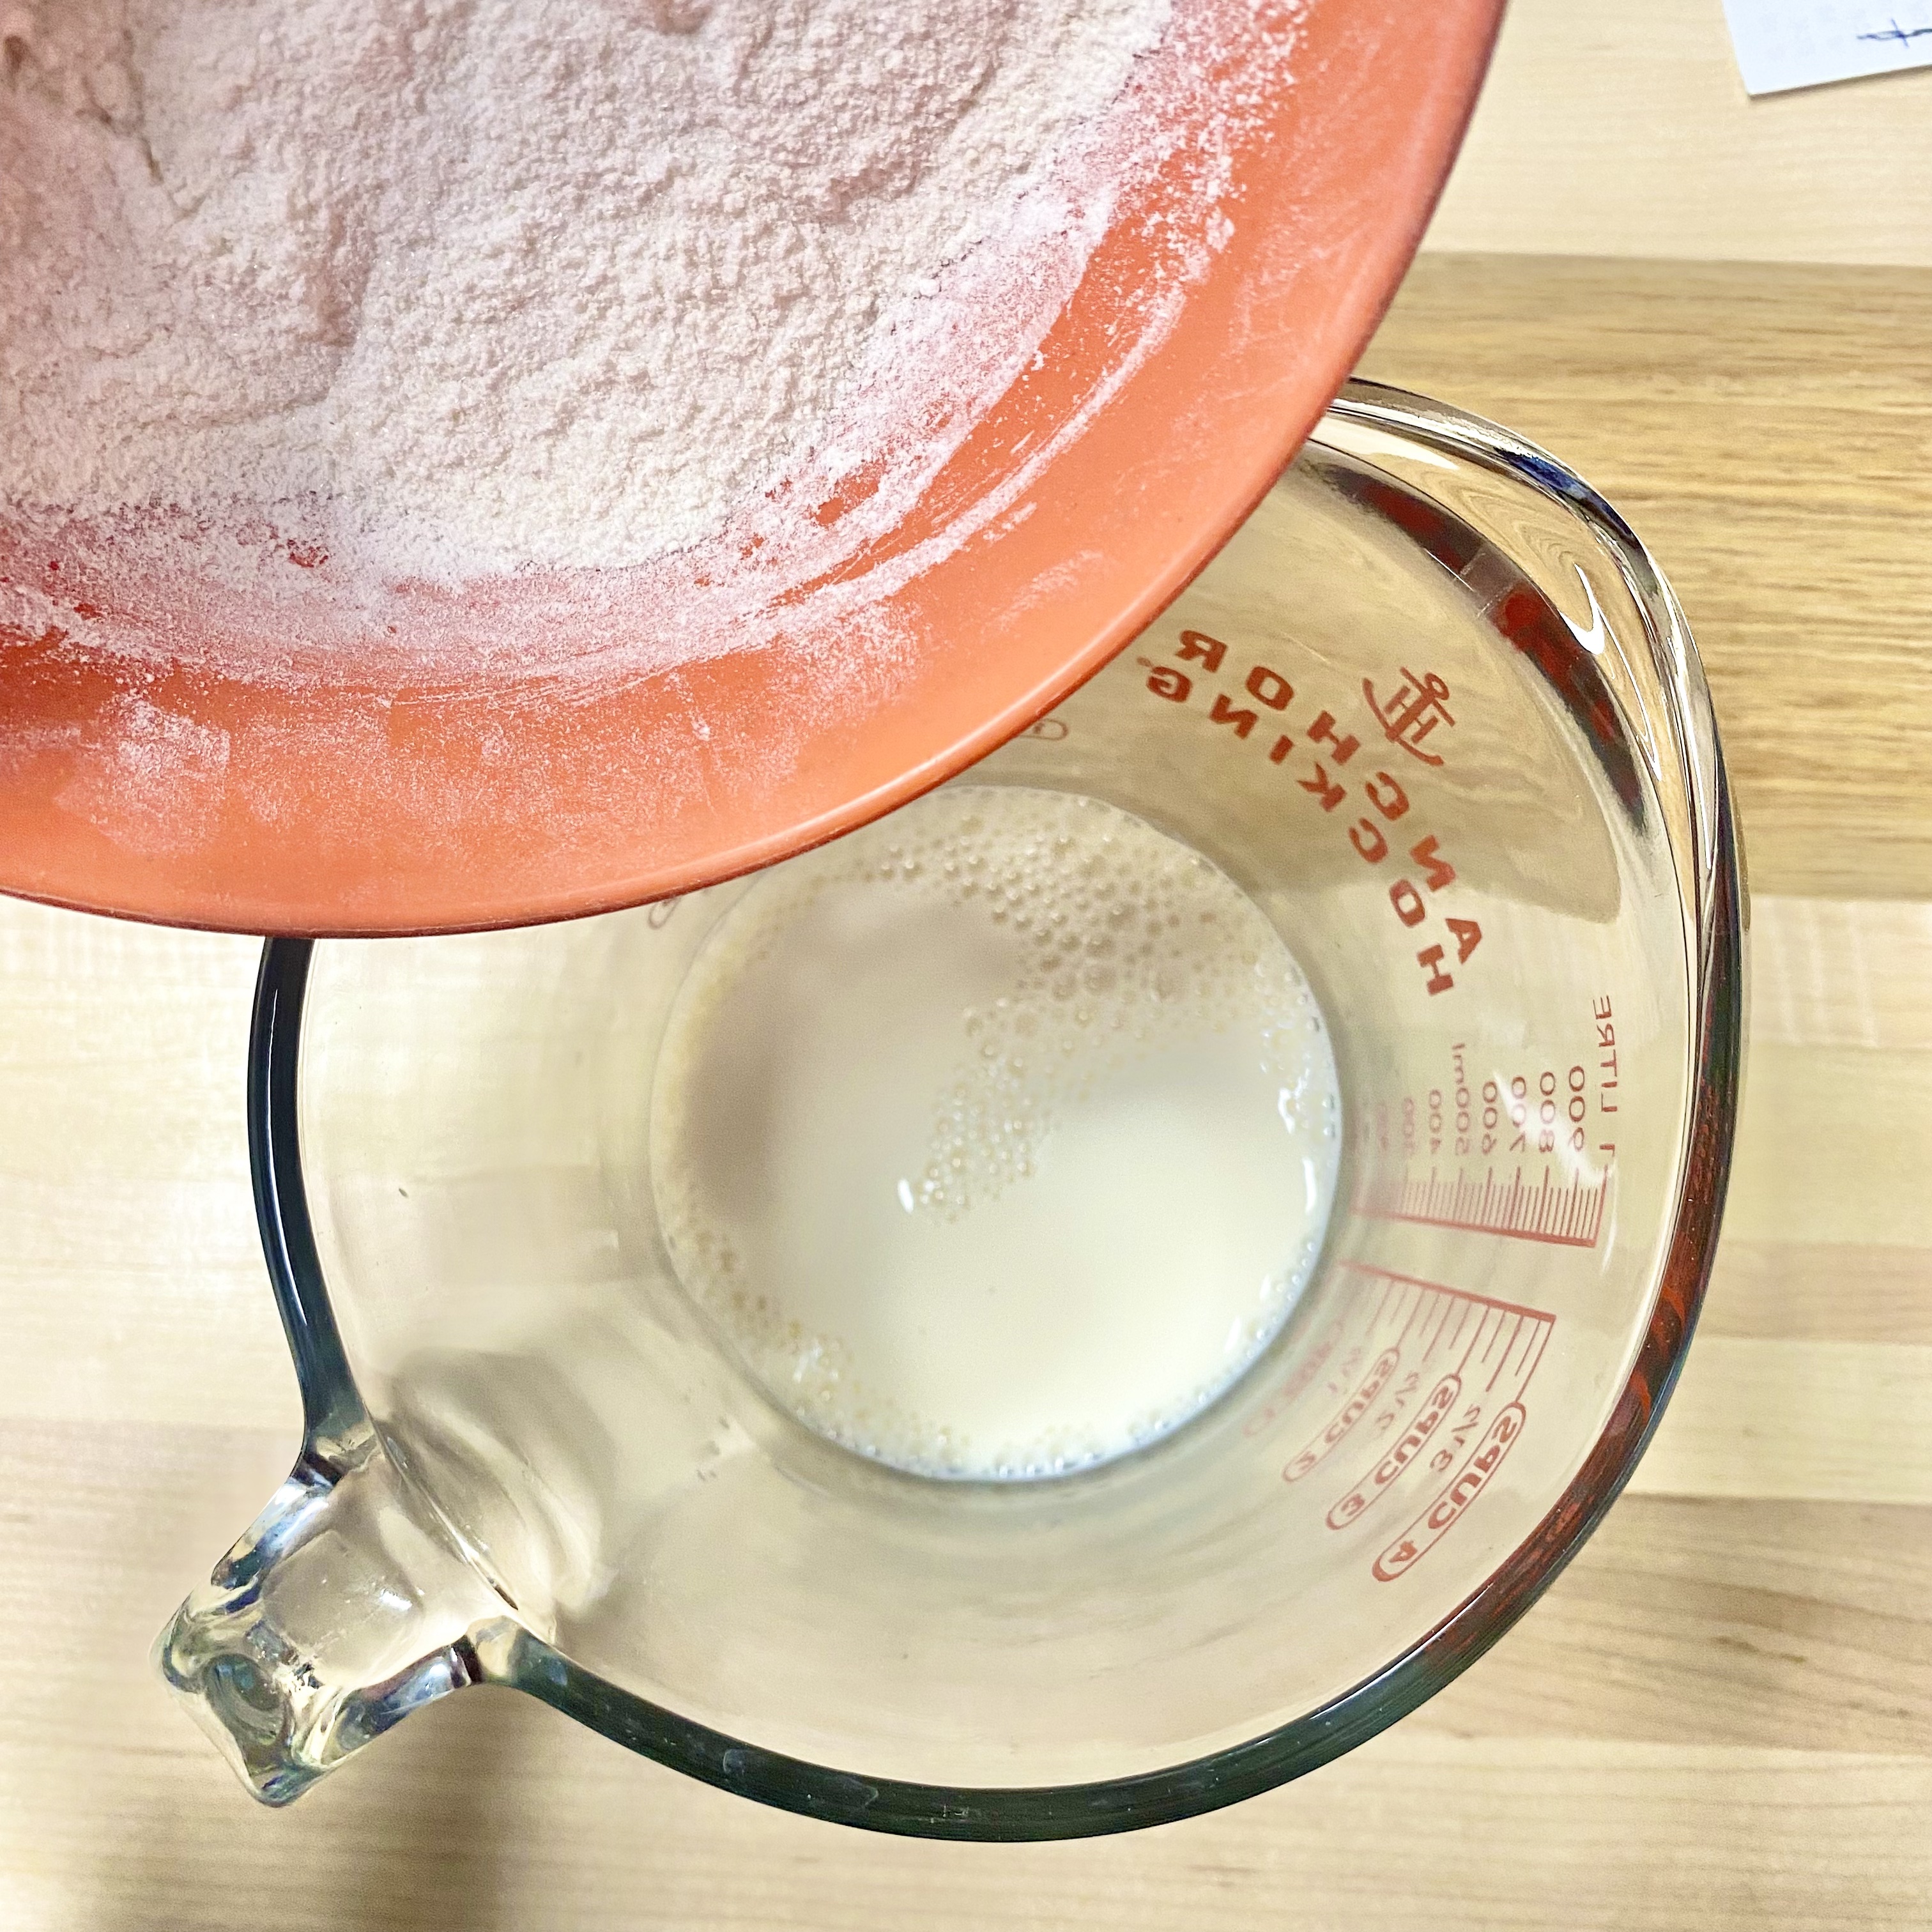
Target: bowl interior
(533, 747)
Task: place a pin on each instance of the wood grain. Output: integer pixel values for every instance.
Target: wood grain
(1768, 434)
(1626, 130)
(1720, 1718)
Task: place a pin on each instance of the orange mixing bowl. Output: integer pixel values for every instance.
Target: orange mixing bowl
(538, 748)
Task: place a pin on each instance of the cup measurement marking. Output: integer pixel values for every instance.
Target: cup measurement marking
(1419, 1339)
(1351, 1412)
(1438, 1360)
(1448, 1509)
(1413, 1440)
(1291, 1386)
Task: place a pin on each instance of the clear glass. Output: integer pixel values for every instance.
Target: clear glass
(1435, 709)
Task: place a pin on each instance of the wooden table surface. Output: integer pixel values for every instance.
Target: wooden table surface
(1626, 130)
(1720, 1716)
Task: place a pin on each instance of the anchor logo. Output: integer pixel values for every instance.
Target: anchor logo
(1412, 711)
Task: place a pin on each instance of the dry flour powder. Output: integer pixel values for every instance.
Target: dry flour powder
(486, 284)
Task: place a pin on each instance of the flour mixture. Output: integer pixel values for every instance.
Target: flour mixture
(476, 285)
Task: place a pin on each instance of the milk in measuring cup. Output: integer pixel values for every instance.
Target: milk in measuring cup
(998, 1139)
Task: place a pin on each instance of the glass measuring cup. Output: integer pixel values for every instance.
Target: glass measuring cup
(1434, 709)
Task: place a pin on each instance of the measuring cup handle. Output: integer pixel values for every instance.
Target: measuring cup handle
(340, 1612)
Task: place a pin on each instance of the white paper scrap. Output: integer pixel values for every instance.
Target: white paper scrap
(1785, 44)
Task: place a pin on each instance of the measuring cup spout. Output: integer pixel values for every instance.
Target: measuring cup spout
(341, 1611)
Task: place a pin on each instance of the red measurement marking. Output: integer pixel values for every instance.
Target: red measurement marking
(1437, 1287)
(1414, 1438)
(1440, 1370)
(1492, 1347)
(1448, 1509)
(1534, 1340)
(1570, 1216)
(1294, 1384)
(1351, 1412)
